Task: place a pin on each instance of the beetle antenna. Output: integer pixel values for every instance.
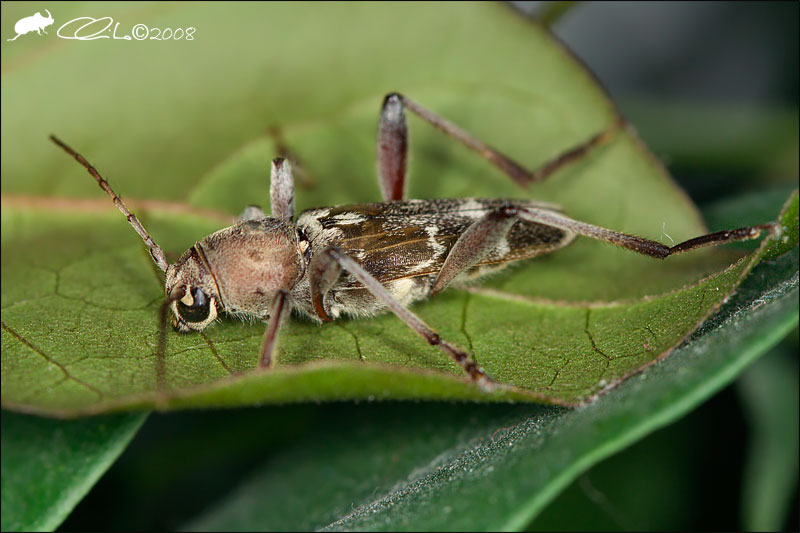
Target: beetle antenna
(155, 250)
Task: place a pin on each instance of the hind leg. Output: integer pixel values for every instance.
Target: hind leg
(393, 147)
(487, 233)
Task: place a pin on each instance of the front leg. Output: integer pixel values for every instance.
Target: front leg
(322, 274)
(281, 190)
(251, 212)
(278, 312)
(326, 268)
(281, 194)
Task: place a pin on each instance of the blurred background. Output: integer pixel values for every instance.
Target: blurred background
(681, 84)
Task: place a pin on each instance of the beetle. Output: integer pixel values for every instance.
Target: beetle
(364, 259)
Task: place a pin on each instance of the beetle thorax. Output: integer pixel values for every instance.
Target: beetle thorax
(250, 262)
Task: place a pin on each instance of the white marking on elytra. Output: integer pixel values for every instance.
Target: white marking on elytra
(349, 217)
(438, 250)
(310, 221)
(422, 266)
(472, 209)
(433, 231)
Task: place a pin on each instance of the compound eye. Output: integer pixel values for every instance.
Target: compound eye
(199, 310)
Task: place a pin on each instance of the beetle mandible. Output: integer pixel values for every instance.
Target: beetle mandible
(364, 259)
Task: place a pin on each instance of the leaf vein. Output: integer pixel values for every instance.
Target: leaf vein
(214, 352)
(49, 359)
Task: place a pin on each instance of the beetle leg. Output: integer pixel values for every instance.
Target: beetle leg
(479, 239)
(639, 244)
(281, 193)
(475, 372)
(281, 189)
(392, 149)
(322, 275)
(488, 231)
(251, 212)
(279, 311)
(514, 170)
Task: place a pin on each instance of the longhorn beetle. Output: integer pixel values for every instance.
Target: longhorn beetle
(365, 259)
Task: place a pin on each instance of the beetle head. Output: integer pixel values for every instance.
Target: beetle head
(192, 292)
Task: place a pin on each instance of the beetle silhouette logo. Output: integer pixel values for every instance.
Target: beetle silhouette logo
(35, 23)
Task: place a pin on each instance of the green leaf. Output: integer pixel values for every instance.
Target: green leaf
(486, 467)
(49, 465)
(79, 296)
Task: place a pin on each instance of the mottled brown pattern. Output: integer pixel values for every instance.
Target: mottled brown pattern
(392, 240)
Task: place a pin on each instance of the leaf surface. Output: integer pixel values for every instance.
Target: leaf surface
(49, 465)
(79, 294)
